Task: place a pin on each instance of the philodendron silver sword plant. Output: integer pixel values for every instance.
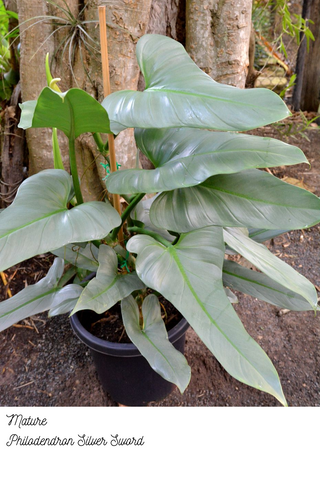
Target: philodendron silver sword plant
(212, 196)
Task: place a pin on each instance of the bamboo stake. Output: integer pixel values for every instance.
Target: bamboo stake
(107, 91)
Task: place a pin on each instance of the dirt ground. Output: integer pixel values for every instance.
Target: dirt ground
(42, 363)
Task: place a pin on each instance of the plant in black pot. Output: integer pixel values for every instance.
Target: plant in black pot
(211, 196)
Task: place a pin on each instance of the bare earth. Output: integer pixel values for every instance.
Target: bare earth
(42, 363)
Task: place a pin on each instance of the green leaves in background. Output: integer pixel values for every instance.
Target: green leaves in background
(108, 287)
(189, 275)
(251, 199)
(272, 266)
(179, 94)
(185, 157)
(74, 112)
(38, 221)
(152, 340)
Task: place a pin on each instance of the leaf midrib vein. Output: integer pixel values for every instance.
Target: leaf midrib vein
(201, 95)
(32, 222)
(34, 299)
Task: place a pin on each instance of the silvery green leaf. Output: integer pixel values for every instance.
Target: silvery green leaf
(179, 94)
(252, 198)
(152, 340)
(271, 265)
(39, 221)
(84, 257)
(189, 275)
(261, 235)
(33, 299)
(185, 157)
(109, 286)
(260, 286)
(65, 300)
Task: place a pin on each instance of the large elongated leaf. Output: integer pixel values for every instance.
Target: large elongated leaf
(260, 286)
(179, 94)
(272, 266)
(185, 157)
(33, 299)
(152, 341)
(74, 112)
(108, 287)
(82, 257)
(38, 221)
(189, 275)
(252, 199)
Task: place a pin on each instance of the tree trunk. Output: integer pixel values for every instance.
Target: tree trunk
(217, 38)
(13, 150)
(307, 89)
(33, 77)
(127, 21)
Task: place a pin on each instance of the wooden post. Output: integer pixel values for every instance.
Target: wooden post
(107, 91)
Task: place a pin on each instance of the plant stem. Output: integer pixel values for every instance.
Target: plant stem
(71, 272)
(128, 198)
(102, 147)
(127, 212)
(131, 206)
(154, 235)
(74, 170)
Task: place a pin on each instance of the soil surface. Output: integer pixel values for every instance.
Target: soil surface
(42, 363)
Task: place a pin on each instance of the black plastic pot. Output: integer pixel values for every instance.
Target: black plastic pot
(123, 372)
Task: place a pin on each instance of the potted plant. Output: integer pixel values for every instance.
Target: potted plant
(211, 197)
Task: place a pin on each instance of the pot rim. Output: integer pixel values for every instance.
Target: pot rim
(118, 349)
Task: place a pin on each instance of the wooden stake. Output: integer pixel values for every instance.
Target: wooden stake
(107, 91)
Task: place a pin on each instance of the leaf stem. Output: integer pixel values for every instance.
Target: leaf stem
(102, 147)
(131, 206)
(74, 171)
(127, 212)
(154, 235)
(71, 272)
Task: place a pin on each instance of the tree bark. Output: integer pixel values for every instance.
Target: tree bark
(13, 150)
(33, 77)
(217, 38)
(307, 89)
(167, 17)
(130, 18)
